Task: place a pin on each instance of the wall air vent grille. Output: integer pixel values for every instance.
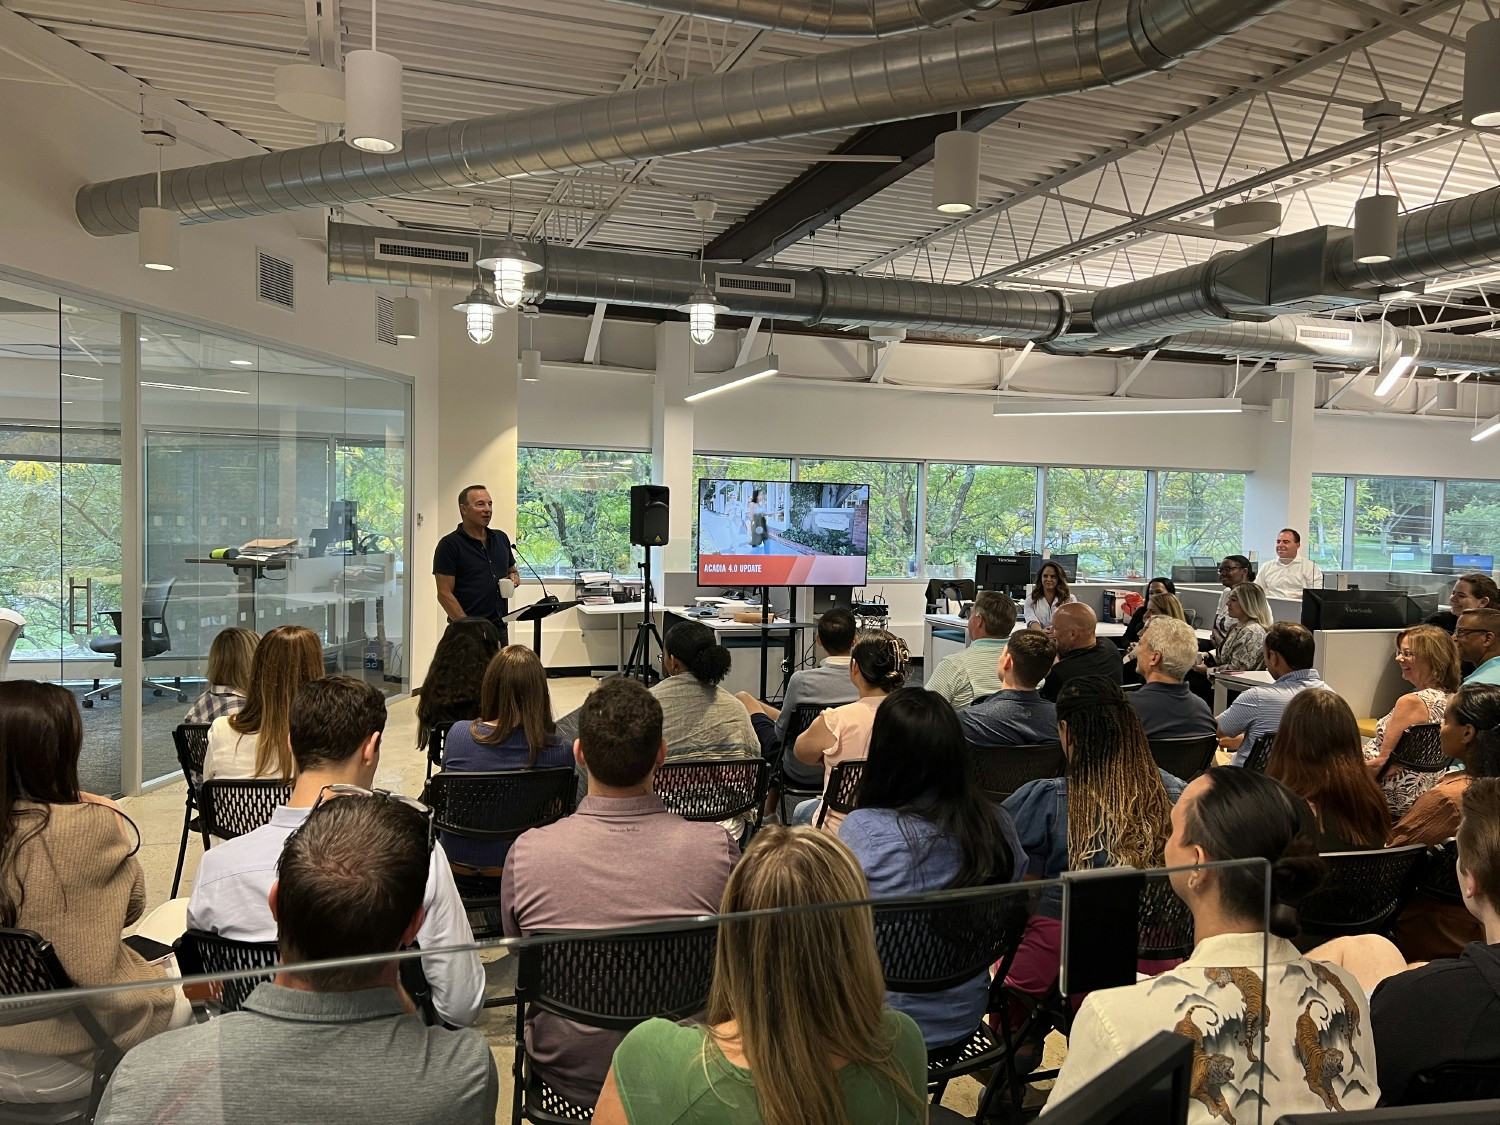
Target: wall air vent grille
(385, 320)
(274, 281)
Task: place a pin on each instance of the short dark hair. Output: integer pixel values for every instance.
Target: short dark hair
(1294, 533)
(463, 494)
(836, 630)
(1292, 643)
(1033, 653)
(619, 728)
(1479, 836)
(1242, 561)
(351, 879)
(1486, 618)
(331, 718)
(997, 612)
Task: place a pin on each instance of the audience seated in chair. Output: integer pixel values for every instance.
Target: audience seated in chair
(921, 825)
(1300, 1036)
(1470, 733)
(974, 672)
(1110, 809)
(320, 1045)
(1464, 989)
(1289, 651)
(827, 685)
(515, 731)
(72, 876)
(230, 657)
(877, 667)
(1477, 636)
(699, 717)
(840, 1056)
(1080, 653)
(1144, 616)
(1016, 715)
(253, 741)
(1166, 706)
(451, 691)
(1317, 755)
(620, 860)
(1428, 660)
(336, 727)
(1243, 647)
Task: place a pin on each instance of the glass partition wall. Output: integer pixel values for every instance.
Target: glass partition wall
(231, 447)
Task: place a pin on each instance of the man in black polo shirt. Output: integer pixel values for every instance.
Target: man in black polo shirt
(471, 560)
(1079, 651)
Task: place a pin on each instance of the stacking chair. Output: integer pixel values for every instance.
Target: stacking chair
(715, 789)
(191, 740)
(492, 807)
(436, 736)
(612, 982)
(230, 808)
(29, 967)
(843, 786)
(1185, 758)
(1438, 879)
(155, 640)
(1260, 752)
(1000, 770)
(200, 953)
(1450, 1082)
(1364, 892)
(1420, 749)
(787, 794)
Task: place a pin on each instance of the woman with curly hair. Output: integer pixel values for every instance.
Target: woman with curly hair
(451, 692)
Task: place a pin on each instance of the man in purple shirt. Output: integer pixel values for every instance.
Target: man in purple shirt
(620, 860)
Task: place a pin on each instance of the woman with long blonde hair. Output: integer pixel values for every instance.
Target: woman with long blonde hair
(256, 740)
(797, 1032)
(229, 660)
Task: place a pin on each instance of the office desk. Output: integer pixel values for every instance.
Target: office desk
(726, 629)
(1238, 681)
(247, 571)
(618, 612)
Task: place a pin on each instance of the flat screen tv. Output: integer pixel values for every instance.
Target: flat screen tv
(782, 533)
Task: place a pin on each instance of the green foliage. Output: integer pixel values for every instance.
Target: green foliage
(893, 506)
(1471, 519)
(1324, 541)
(977, 510)
(375, 477)
(1099, 514)
(1197, 514)
(573, 508)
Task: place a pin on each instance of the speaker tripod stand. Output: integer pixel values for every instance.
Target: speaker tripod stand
(640, 666)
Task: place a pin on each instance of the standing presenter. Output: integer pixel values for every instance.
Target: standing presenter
(475, 566)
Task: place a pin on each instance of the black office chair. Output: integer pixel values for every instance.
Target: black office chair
(1364, 893)
(1450, 1082)
(803, 717)
(191, 740)
(1185, 758)
(436, 737)
(1165, 924)
(843, 785)
(230, 808)
(606, 982)
(492, 807)
(1000, 770)
(1438, 879)
(714, 789)
(29, 966)
(1419, 749)
(200, 953)
(1260, 752)
(155, 640)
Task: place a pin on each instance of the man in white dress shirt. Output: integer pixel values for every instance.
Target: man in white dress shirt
(1288, 576)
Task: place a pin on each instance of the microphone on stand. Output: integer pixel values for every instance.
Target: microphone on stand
(546, 598)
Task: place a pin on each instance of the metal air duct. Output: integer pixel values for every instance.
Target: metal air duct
(830, 19)
(1042, 54)
(428, 259)
(1348, 343)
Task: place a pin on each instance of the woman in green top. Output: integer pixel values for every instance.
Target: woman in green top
(797, 1030)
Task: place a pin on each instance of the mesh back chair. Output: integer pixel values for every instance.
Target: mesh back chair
(233, 808)
(1439, 875)
(1420, 749)
(1165, 927)
(496, 807)
(1364, 892)
(30, 966)
(606, 982)
(1185, 758)
(789, 792)
(715, 789)
(436, 737)
(1000, 770)
(155, 640)
(191, 740)
(1260, 752)
(1450, 1082)
(200, 953)
(843, 786)
(929, 946)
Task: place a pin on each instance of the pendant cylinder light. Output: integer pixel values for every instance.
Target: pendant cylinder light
(372, 84)
(531, 366)
(955, 172)
(1447, 395)
(1376, 219)
(408, 318)
(1281, 410)
(1252, 216)
(158, 238)
(1482, 75)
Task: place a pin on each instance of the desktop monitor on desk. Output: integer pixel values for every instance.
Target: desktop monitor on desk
(1365, 609)
(1188, 575)
(1463, 564)
(1068, 563)
(1006, 573)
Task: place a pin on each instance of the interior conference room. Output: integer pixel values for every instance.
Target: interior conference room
(814, 390)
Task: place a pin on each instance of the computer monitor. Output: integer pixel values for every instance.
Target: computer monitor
(342, 517)
(1149, 1086)
(1462, 564)
(825, 598)
(1205, 560)
(1069, 564)
(1002, 572)
(1195, 574)
(1449, 1113)
(1365, 609)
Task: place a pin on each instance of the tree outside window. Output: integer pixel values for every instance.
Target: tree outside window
(1099, 515)
(573, 508)
(893, 508)
(1198, 514)
(977, 510)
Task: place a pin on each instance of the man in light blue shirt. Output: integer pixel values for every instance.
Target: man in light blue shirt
(975, 672)
(1478, 638)
(1016, 715)
(1289, 657)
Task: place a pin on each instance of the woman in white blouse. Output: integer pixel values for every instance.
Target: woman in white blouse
(1049, 592)
(255, 741)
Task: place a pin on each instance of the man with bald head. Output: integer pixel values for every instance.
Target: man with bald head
(1079, 651)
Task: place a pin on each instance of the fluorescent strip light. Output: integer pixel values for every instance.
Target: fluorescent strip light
(187, 387)
(749, 372)
(1398, 367)
(1068, 408)
(1462, 282)
(1490, 427)
(85, 378)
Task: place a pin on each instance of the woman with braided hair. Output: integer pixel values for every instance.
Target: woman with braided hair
(1111, 808)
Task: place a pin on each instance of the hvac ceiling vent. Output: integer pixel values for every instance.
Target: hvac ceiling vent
(1309, 333)
(385, 320)
(389, 250)
(783, 287)
(273, 280)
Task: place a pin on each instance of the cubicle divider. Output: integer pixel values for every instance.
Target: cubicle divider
(1360, 665)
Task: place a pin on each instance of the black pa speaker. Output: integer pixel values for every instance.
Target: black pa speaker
(648, 514)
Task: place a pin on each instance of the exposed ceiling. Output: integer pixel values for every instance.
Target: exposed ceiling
(1083, 191)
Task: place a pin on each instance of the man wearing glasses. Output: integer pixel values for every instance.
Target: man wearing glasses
(1478, 640)
(336, 724)
(1232, 571)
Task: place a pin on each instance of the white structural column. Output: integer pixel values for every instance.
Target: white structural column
(1279, 492)
(672, 443)
(477, 405)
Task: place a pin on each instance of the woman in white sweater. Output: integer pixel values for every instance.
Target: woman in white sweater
(254, 742)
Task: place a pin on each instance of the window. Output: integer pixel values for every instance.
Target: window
(726, 466)
(893, 508)
(1392, 523)
(1324, 541)
(573, 508)
(977, 510)
(1197, 514)
(1099, 515)
(1471, 517)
